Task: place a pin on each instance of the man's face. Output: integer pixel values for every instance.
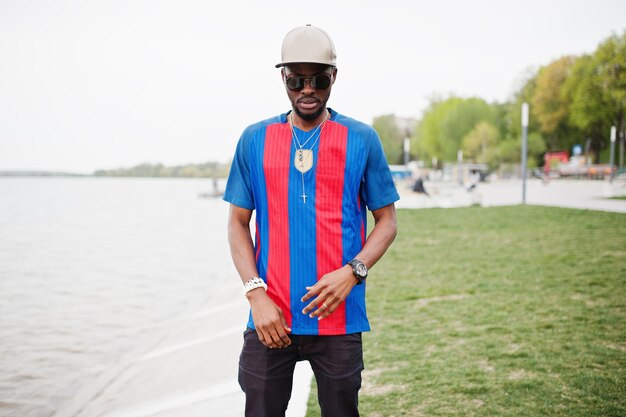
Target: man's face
(308, 103)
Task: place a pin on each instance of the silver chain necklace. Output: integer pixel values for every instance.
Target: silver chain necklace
(301, 145)
(303, 160)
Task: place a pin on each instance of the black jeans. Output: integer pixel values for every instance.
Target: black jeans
(266, 375)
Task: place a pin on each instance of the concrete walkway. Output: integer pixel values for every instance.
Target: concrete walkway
(580, 194)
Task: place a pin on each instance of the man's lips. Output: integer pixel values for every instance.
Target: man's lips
(308, 103)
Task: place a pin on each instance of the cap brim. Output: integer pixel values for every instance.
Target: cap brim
(283, 64)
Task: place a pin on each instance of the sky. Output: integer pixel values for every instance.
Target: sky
(87, 85)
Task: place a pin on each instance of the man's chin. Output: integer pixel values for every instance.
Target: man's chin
(309, 115)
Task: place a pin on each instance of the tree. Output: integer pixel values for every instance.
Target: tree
(442, 128)
(510, 150)
(551, 103)
(391, 136)
(480, 144)
(610, 60)
(597, 91)
(204, 170)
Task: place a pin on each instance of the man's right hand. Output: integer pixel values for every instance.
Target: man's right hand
(269, 321)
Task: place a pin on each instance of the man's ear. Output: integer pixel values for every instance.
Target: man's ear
(334, 74)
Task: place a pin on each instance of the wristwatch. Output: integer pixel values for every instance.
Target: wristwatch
(359, 270)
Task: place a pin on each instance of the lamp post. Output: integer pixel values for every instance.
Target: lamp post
(407, 149)
(613, 134)
(459, 159)
(524, 148)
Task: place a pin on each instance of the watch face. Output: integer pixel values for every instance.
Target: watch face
(361, 270)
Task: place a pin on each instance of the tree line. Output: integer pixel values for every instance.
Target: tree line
(573, 100)
(203, 170)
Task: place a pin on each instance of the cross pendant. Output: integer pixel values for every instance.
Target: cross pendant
(303, 198)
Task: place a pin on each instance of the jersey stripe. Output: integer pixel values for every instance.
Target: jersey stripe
(302, 241)
(276, 163)
(354, 230)
(328, 199)
(257, 178)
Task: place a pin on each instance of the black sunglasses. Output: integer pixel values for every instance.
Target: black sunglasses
(319, 82)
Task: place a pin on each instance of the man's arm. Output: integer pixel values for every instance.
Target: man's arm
(269, 320)
(333, 288)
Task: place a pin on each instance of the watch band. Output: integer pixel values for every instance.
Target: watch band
(252, 284)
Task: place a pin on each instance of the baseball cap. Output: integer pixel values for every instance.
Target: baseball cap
(308, 44)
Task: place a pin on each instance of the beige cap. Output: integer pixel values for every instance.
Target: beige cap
(308, 44)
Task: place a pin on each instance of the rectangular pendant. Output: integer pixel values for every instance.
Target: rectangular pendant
(303, 160)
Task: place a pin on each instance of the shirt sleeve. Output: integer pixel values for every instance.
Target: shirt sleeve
(239, 186)
(378, 189)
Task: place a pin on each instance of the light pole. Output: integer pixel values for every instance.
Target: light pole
(524, 148)
(407, 149)
(613, 131)
(459, 159)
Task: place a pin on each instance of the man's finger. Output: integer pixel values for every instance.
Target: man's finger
(262, 338)
(326, 313)
(269, 339)
(273, 339)
(277, 336)
(285, 326)
(311, 306)
(281, 332)
(286, 341)
(312, 291)
(321, 309)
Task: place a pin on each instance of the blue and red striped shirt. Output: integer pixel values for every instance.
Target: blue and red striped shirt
(297, 242)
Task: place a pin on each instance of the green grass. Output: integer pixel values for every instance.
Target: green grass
(621, 197)
(508, 311)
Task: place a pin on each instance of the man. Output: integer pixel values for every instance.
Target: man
(309, 174)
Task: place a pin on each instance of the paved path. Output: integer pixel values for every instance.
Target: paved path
(581, 194)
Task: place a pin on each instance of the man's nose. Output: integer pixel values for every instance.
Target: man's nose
(308, 89)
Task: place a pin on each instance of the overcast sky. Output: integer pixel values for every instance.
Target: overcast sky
(86, 85)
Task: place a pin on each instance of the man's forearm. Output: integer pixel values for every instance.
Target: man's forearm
(383, 234)
(241, 247)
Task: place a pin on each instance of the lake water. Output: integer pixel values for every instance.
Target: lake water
(89, 267)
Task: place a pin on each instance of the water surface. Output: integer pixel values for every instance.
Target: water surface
(89, 267)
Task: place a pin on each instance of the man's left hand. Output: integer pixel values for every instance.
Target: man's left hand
(329, 292)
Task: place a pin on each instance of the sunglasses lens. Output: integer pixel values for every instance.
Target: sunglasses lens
(295, 83)
(320, 82)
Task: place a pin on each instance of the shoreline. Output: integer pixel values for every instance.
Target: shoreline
(183, 362)
(188, 368)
